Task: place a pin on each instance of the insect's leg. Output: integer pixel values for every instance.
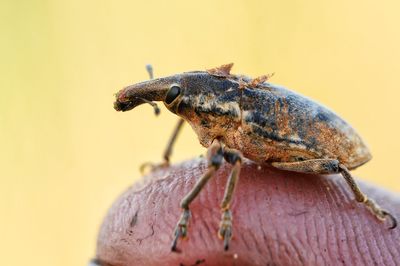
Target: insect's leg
(233, 157)
(380, 213)
(317, 166)
(168, 149)
(330, 166)
(215, 157)
(171, 142)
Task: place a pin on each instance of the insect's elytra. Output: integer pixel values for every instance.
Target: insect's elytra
(235, 116)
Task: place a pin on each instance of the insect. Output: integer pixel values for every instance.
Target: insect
(235, 116)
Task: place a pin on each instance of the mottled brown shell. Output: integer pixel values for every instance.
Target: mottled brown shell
(268, 123)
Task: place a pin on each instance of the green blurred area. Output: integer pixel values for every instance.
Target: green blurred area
(66, 154)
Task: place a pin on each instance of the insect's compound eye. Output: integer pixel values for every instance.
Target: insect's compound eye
(173, 92)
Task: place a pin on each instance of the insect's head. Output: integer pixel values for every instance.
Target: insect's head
(208, 100)
(193, 90)
(145, 92)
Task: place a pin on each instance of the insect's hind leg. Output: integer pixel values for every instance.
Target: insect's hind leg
(233, 157)
(380, 213)
(215, 158)
(330, 166)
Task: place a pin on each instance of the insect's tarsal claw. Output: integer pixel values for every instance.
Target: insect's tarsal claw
(152, 167)
(226, 244)
(392, 219)
(144, 166)
(225, 233)
(181, 229)
(175, 241)
(225, 228)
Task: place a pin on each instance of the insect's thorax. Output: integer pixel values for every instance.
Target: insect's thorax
(212, 115)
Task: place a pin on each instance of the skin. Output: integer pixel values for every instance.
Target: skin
(280, 218)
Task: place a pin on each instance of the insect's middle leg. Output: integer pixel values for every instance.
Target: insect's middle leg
(331, 166)
(215, 158)
(233, 157)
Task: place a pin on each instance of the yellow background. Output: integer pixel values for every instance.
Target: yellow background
(65, 154)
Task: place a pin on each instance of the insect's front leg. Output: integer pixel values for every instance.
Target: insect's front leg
(215, 158)
(331, 166)
(168, 149)
(235, 158)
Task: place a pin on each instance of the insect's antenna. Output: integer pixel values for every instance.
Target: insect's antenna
(155, 106)
(149, 69)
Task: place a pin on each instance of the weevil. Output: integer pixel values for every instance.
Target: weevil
(235, 116)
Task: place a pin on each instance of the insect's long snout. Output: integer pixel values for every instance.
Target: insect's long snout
(122, 104)
(144, 92)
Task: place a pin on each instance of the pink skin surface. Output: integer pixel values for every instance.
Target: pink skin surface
(279, 218)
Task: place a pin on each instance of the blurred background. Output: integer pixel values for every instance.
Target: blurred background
(65, 154)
